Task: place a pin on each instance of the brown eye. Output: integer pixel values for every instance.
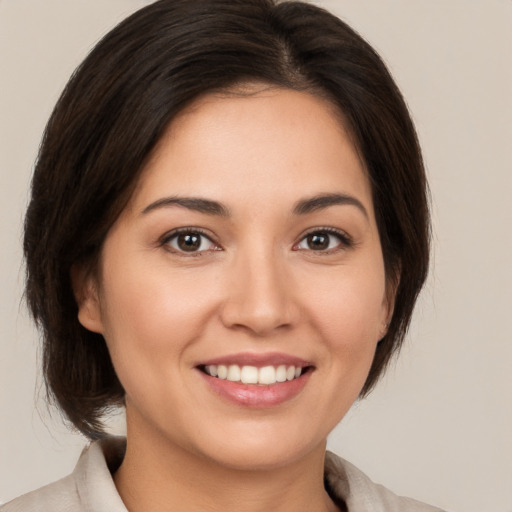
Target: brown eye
(190, 241)
(318, 241)
(324, 240)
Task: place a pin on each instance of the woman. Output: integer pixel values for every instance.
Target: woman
(227, 233)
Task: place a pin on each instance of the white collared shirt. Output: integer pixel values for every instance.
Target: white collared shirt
(91, 488)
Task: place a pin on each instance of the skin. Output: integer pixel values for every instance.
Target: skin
(255, 286)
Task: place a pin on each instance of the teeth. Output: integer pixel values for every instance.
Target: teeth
(266, 375)
(234, 373)
(212, 370)
(281, 373)
(222, 371)
(249, 375)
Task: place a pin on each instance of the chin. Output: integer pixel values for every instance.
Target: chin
(259, 459)
(262, 448)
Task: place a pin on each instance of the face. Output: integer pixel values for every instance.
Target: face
(242, 291)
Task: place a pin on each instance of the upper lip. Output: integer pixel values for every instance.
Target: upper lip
(258, 360)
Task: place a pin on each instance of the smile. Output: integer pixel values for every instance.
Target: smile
(256, 380)
(265, 376)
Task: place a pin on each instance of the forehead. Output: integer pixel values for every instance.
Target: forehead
(274, 143)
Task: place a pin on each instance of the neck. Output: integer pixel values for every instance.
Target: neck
(160, 476)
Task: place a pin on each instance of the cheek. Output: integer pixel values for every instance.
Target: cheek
(150, 320)
(345, 314)
(149, 311)
(349, 307)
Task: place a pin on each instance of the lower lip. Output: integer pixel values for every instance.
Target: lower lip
(257, 396)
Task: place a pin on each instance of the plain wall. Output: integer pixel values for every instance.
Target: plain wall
(439, 426)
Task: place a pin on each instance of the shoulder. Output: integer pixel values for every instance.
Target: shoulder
(60, 496)
(360, 494)
(89, 487)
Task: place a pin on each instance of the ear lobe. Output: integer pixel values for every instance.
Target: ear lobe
(85, 290)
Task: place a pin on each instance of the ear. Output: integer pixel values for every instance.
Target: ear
(392, 283)
(85, 289)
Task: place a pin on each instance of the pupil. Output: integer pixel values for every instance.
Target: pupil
(189, 242)
(318, 241)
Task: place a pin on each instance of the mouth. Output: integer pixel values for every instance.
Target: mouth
(249, 374)
(259, 381)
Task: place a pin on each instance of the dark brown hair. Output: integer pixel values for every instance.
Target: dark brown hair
(116, 107)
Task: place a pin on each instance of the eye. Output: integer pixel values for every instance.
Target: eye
(324, 240)
(189, 241)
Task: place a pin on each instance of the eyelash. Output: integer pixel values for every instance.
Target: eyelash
(169, 237)
(345, 241)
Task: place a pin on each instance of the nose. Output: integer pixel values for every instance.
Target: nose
(259, 296)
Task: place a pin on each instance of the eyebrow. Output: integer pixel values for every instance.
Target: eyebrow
(322, 201)
(210, 207)
(191, 203)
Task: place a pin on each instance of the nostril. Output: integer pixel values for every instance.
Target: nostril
(258, 320)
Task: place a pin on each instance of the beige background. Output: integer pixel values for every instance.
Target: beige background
(439, 427)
